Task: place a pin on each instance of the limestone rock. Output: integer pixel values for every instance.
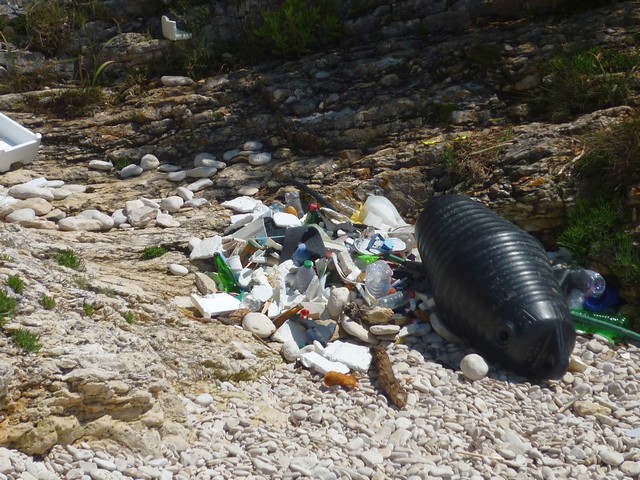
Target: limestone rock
(474, 367)
(259, 324)
(80, 224)
(149, 162)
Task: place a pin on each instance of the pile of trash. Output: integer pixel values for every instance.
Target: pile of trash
(308, 277)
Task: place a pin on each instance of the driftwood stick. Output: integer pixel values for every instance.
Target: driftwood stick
(388, 381)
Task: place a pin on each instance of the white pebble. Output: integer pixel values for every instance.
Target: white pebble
(259, 324)
(474, 367)
(100, 165)
(149, 162)
(178, 270)
(204, 399)
(259, 158)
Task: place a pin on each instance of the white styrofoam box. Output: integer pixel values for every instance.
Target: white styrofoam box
(17, 143)
(171, 32)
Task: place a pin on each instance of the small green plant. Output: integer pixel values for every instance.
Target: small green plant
(586, 81)
(70, 259)
(47, 302)
(82, 282)
(89, 309)
(7, 307)
(129, 317)
(5, 257)
(152, 252)
(26, 340)
(299, 26)
(15, 283)
(121, 163)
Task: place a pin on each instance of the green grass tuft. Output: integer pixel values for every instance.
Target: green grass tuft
(89, 309)
(7, 307)
(15, 283)
(129, 317)
(26, 340)
(70, 259)
(47, 302)
(152, 252)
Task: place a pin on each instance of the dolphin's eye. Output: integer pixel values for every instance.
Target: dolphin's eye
(503, 334)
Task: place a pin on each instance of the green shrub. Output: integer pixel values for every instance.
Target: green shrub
(299, 26)
(47, 302)
(586, 81)
(70, 259)
(26, 340)
(152, 252)
(15, 283)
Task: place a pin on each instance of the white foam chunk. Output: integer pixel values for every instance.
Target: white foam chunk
(320, 364)
(356, 357)
(215, 303)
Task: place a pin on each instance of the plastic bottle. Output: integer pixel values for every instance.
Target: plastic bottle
(251, 302)
(293, 200)
(590, 283)
(300, 255)
(304, 276)
(378, 279)
(575, 299)
(227, 278)
(313, 217)
(396, 299)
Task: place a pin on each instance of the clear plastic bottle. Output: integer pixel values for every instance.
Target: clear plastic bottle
(300, 255)
(304, 276)
(396, 299)
(590, 283)
(378, 279)
(251, 302)
(293, 200)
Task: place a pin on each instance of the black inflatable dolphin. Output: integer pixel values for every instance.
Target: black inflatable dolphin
(494, 287)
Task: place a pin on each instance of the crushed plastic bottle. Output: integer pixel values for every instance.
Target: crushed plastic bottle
(378, 279)
(293, 200)
(396, 299)
(305, 274)
(250, 302)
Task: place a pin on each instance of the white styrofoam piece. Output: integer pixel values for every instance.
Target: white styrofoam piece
(320, 364)
(356, 357)
(262, 292)
(17, 144)
(284, 219)
(242, 204)
(170, 30)
(215, 303)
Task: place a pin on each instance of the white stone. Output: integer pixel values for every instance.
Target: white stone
(61, 193)
(177, 176)
(147, 202)
(290, 350)
(140, 217)
(372, 457)
(442, 330)
(149, 162)
(230, 155)
(100, 165)
(131, 171)
(37, 182)
(204, 399)
(356, 357)
(196, 202)
(388, 329)
(78, 224)
(208, 160)
(414, 330)
(286, 220)
(259, 158)
(168, 168)
(252, 145)
(242, 204)
(206, 248)
(320, 364)
(54, 183)
(119, 217)
(175, 81)
(200, 184)
(202, 172)
(338, 298)
(474, 367)
(358, 331)
(172, 204)
(106, 220)
(25, 191)
(178, 270)
(184, 193)
(610, 457)
(21, 215)
(165, 220)
(630, 468)
(132, 205)
(248, 191)
(258, 323)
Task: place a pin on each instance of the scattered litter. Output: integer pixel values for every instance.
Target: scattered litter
(215, 303)
(336, 378)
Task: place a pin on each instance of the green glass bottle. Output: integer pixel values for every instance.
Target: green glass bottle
(225, 275)
(313, 217)
(612, 327)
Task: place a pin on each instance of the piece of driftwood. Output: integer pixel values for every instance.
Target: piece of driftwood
(388, 381)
